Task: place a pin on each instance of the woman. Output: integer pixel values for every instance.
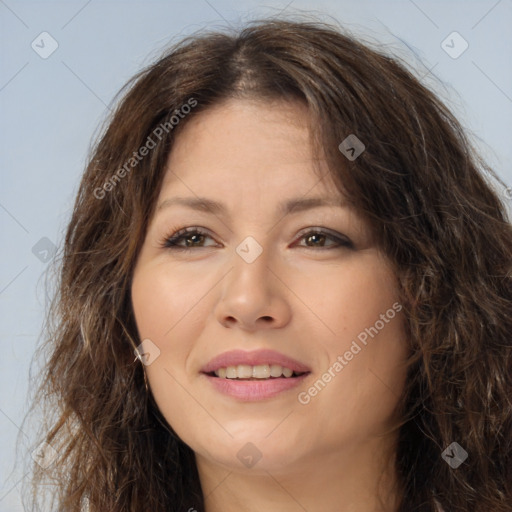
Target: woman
(296, 240)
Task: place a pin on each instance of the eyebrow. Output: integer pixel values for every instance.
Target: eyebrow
(291, 206)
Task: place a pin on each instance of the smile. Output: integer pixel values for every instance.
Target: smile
(261, 371)
(254, 389)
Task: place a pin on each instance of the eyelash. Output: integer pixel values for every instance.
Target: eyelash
(171, 241)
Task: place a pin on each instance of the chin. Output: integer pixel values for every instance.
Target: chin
(253, 450)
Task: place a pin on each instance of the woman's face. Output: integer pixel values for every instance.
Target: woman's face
(307, 286)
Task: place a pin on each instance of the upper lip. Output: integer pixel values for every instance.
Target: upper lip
(256, 357)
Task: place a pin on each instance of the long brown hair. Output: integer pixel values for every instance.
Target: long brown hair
(429, 199)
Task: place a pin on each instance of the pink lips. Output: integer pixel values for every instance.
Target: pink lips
(254, 390)
(236, 357)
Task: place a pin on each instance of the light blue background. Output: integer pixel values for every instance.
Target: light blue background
(50, 108)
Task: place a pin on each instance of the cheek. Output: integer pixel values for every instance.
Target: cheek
(349, 298)
(363, 312)
(167, 311)
(371, 319)
(162, 300)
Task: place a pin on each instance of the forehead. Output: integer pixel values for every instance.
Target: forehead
(248, 145)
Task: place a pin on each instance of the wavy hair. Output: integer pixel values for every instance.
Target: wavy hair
(430, 199)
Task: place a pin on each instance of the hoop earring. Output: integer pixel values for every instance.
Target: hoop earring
(146, 385)
(139, 357)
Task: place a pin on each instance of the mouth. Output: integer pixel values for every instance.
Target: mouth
(257, 364)
(253, 389)
(254, 376)
(259, 372)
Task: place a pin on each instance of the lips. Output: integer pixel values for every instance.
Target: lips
(262, 386)
(254, 358)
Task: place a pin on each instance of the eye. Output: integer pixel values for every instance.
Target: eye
(194, 237)
(317, 237)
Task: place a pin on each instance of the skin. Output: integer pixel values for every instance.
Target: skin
(303, 296)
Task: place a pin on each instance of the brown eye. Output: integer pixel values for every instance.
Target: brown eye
(319, 237)
(192, 237)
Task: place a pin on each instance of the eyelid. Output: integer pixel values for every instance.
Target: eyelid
(177, 235)
(343, 240)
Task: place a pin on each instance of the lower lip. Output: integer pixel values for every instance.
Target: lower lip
(253, 390)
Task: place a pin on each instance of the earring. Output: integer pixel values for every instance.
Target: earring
(139, 357)
(145, 381)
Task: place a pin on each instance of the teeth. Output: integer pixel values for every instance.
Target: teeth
(231, 372)
(261, 371)
(244, 371)
(276, 370)
(287, 372)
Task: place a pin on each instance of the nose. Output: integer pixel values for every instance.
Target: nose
(253, 296)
